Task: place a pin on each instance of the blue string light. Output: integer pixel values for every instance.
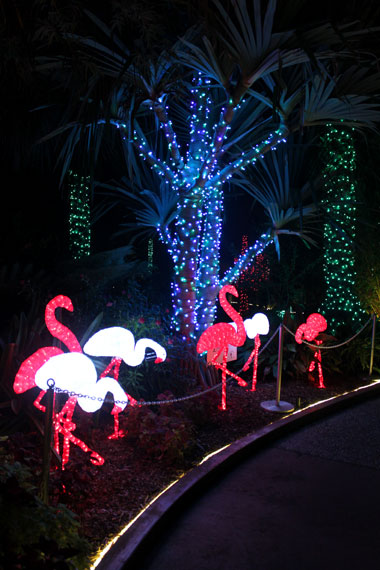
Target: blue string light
(194, 239)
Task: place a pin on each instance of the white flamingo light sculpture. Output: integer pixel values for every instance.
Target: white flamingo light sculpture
(119, 343)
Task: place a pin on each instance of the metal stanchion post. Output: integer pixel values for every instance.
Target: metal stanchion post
(277, 405)
(279, 362)
(372, 344)
(47, 442)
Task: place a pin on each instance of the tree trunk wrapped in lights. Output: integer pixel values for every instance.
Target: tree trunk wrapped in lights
(195, 242)
(341, 303)
(79, 215)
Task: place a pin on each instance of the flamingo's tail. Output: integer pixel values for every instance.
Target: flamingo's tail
(26, 374)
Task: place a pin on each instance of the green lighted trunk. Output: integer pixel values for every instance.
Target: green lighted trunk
(341, 305)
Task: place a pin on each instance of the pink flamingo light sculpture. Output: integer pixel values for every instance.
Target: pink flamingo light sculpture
(315, 323)
(221, 335)
(38, 365)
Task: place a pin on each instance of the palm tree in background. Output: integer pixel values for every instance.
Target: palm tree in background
(201, 115)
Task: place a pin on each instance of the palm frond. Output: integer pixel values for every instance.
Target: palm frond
(154, 205)
(206, 63)
(107, 31)
(281, 183)
(321, 106)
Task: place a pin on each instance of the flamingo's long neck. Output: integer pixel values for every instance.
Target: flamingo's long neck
(57, 329)
(234, 315)
(139, 351)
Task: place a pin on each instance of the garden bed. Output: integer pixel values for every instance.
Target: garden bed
(162, 443)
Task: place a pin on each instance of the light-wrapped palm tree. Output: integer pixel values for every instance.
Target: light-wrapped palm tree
(202, 116)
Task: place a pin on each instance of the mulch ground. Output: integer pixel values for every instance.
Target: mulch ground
(107, 497)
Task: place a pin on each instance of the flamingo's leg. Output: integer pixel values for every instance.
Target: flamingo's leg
(132, 401)
(246, 365)
(116, 432)
(114, 369)
(317, 359)
(253, 356)
(66, 426)
(256, 353)
(320, 373)
(225, 371)
(312, 363)
(95, 458)
(223, 405)
(214, 360)
(37, 401)
(240, 381)
(39, 406)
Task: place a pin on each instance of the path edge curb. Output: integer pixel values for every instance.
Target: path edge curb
(122, 553)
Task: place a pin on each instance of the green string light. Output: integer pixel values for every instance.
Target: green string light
(79, 215)
(341, 304)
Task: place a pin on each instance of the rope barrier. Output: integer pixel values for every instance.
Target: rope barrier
(269, 341)
(320, 347)
(155, 402)
(140, 402)
(212, 388)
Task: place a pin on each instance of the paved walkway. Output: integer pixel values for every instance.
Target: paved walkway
(308, 501)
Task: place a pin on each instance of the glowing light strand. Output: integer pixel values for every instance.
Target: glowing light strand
(197, 178)
(341, 303)
(79, 215)
(245, 259)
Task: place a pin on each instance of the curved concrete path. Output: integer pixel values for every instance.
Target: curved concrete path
(305, 500)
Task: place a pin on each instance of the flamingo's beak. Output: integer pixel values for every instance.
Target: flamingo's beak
(158, 360)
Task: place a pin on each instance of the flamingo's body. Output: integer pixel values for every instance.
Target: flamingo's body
(315, 323)
(71, 370)
(118, 342)
(221, 335)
